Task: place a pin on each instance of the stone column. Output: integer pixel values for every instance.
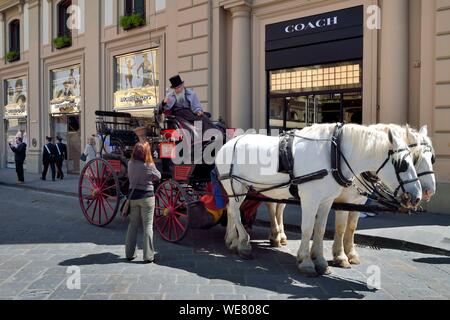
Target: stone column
(92, 69)
(241, 88)
(35, 91)
(394, 62)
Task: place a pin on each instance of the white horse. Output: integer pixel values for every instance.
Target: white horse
(366, 150)
(344, 251)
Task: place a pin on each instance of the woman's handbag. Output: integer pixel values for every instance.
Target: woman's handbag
(125, 210)
(83, 157)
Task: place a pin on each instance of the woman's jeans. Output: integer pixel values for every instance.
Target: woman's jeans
(141, 210)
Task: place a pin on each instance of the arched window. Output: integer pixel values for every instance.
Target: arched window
(63, 17)
(135, 6)
(14, 35)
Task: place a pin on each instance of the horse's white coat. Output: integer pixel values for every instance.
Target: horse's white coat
(366, 149)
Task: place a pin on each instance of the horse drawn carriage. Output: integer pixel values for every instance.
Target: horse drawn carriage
(184, 188)
(180, 195)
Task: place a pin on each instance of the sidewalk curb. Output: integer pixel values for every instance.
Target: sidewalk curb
(373, 242)
(43, 190)
(361, 240)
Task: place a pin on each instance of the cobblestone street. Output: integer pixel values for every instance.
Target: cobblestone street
(41, 235)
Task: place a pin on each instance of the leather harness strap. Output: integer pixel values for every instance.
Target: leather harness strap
(336, 157)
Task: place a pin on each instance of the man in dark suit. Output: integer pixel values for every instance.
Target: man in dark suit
(49, 159)
(19, 156)
(61, 148)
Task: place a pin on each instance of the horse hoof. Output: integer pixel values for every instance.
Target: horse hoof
(307, 270)
(275, 243)
(354, 259)
(342, 263)
(323, 270)
(245, 255)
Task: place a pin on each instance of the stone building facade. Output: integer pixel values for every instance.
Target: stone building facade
(276, 64)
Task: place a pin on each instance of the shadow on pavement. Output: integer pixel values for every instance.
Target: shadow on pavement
(437, 260)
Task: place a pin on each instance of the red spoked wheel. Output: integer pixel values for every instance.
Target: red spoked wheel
(171, 211)
(99, 192)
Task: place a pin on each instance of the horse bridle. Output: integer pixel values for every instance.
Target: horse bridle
(399, 167)
(426, 148)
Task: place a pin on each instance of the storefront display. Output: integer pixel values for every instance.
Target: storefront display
(65, 112)
(314, 70)
(15, 114)
(137, 81)
(66, 89)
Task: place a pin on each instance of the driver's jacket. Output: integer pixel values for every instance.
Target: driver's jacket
(191, 102)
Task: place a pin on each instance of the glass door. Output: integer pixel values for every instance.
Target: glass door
(296, 112)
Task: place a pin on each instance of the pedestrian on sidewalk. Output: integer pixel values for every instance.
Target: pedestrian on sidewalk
(89, 149)
(62, 155)
(142, 173)
(49, 156)
(20, 153)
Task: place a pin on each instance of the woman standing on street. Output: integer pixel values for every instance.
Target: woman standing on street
(142, 173)
(89, 150)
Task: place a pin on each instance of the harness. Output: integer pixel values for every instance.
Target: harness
(426, 148)
(336, 155)
(286, 161)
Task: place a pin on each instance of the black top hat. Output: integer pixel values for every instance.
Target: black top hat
(176, 81)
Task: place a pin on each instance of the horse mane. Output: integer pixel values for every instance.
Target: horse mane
(367, 140)
(364, 138)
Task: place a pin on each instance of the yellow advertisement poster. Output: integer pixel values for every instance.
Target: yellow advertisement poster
(66, 90)
(16, 98)
(137, 80)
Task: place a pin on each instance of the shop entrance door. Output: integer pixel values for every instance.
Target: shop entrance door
(68, 128)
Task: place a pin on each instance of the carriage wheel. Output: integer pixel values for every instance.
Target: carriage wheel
(171, 211)
(99, 192)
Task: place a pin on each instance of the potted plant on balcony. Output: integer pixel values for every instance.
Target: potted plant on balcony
(12, 56)
(131, 21)
(62, 42)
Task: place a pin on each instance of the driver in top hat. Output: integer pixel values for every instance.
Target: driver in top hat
(184, 104)
(182, 97)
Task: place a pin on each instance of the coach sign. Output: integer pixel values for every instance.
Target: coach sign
(323, 38)
(321, 23)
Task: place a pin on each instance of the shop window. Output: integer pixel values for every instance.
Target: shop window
(135, 6)
(300, 97)
(137, 80)
(63, 17)
(317, 78)
(66, 91)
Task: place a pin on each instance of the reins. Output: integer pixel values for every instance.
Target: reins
(370, 187)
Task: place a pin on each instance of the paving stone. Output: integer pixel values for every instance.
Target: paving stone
(48, 282)
(155, 296)
(191, 279)
(216, 289)
(64, 293)
(181, 296)
(229, 297)
(95, 297)
(107, 288)
(12, 289)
